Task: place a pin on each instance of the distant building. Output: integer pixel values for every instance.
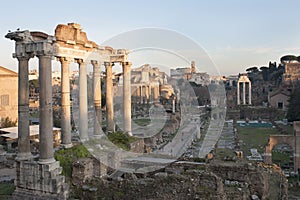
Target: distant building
(279, 98)
(8, 94)
(146, 84)
(190, 74)
(292, 73)
(33, 75)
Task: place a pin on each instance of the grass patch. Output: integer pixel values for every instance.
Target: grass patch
(6, 189)
(255, 138)
(121, 139)
(66, 157)
(222, 153)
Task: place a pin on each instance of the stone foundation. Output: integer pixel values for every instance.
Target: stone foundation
(40, 181)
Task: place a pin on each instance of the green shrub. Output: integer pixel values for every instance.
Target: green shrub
(66, 157)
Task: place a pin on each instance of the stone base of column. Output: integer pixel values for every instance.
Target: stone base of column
(129, 133)
(98, 136)
(24, 156)
(40, 181)
(66, 146)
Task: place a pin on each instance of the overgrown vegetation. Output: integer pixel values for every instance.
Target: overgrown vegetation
(254, 138)
(6, 189)
(121, 140)
(293, 113)
(66, 157)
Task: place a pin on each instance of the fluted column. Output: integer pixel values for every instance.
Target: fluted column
(65, 103)
(83, 106)
(127, 97)
(110, 126)
(250, 93)
(23, 111)
(238, 94)
(97, 97)
(244, 93)
(46, 118)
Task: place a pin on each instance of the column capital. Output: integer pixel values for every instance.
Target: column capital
(63, 59)
(25, 57)
(95, 62)
(126, 64)
(45, 56)
(80, 61)
(109, 64)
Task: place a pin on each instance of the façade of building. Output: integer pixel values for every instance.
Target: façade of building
(8, 94)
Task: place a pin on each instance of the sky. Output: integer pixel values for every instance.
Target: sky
(234, 34)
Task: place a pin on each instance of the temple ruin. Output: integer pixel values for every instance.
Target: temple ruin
(246, 85)
(43, 178)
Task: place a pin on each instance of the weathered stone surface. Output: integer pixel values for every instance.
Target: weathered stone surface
(193, 182)
(82, 170)
(40, 181)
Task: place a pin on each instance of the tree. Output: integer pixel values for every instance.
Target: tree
(293, 113)
(265, 73)
(288, 58)
(252, 70)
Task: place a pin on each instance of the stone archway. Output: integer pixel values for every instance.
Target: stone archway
(291, 140)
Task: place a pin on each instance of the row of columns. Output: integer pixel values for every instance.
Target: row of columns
(46, 122)
(149, 92)
(244, 93)
(46, 118)
(83, 105)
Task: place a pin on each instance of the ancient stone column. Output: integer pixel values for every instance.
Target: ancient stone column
(65, 103)
(141, 94)
(244, 93)
(23, 111)
(173, 105)
(250, 94)
(127, 97)
(97, 97)
(46, 119)
(147, 93)
(150, 94)
(83, 105)
(238, 93)
(110, 126)
(155, 93)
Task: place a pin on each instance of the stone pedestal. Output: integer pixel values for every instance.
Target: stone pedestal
(39, 181)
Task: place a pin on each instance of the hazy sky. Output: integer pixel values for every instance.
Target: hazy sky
(235, 34)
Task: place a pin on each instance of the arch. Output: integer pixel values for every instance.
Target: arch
(282, 139)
